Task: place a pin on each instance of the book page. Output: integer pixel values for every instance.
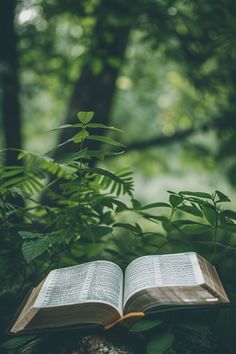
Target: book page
(99, 281)
(181, 269)
(212, 280)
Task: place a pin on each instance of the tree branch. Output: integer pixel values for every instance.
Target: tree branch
(160, 140)
(224, 122)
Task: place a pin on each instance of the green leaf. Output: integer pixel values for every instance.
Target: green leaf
(12, 171)
(136, 204)
(229, 214)
(197, 194)
(154, 238)
(197, 201)
(222, 197)
(156, 205)
(66, 126)
(160, 343)
(67, 158)
(154, 217)
(30, 235)
(128, 227)
(120, 205)
(210, 214)
(17, 342)
(117, 184)
(223, 219)
(102, 154)
(33, 248)
(77, 138)
(175, 200)
(229, 227)
(102, 126)
(85, 117)
(212, 244)
(99, 231)
(93, 249)
(89, 125)
(195, 228)
(22, 154)
(104, 139)
(144, 325)
(191, 210)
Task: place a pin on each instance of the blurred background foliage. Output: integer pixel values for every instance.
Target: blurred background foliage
(162, 71)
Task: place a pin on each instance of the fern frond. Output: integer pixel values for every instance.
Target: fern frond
(119, 183)
(17, 176)
(47, 164)
(31, 176)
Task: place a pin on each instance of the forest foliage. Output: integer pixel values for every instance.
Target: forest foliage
(172, 78)
(164, 73)
(85, 218)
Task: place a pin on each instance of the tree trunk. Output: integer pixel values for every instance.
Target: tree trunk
(10, 110)
(94, 90)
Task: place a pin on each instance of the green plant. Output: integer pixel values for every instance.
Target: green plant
(86, 219)
(78, 223)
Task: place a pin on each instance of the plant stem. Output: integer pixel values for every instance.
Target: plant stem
(215, 229)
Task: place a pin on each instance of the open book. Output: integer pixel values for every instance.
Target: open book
(98, 292)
